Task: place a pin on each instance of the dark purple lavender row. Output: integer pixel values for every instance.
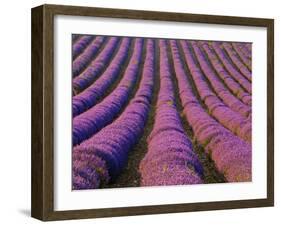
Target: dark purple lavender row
(79, 46)
(246, 60)
(248, 54)
(82, 61)
(224, 75)
(228, 118)
(170, 159)
(91, 121)
(101, 158)
(233, 102)
(236, 60)
(248, 47)
(90, 96)
(218, 48)
(96, 67)
(231, 154)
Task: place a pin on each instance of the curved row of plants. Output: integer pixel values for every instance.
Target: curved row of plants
(112, 92)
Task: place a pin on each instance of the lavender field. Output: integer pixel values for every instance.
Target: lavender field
(151, 112)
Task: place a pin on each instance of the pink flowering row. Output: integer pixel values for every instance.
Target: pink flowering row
(91, 121)
(100, 159)
(170, 159)
(246, 51)
(90, 96)
(236, 61)
(218, 48)
(231, 154)
(224, 75)
(243, 56)
(80, 44)
(228, 98)
(248, 47)
(227, 117)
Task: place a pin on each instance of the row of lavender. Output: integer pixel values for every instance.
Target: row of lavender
(229, 118)
(90, 96)
(88, 72)
(91, 121)
(91, 84)
(101, 158)
(231, 154)
(170, 158)
(225, 120)
(225, 75)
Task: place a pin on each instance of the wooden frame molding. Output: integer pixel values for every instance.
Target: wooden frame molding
(43, 120)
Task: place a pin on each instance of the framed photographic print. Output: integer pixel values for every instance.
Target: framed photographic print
(141, 112)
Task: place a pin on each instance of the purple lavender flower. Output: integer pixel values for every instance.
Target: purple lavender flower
(81, 44)
(113, 143)
(170, 159)
(223, 146)
(84, 58)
